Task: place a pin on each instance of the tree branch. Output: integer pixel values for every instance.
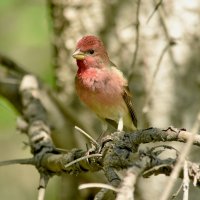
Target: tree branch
(137, 30)
(11, 65)
(119, 150)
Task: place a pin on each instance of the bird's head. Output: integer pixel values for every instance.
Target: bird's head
(90, 52)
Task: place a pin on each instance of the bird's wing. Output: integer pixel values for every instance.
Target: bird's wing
(111, 122)
(128, 100)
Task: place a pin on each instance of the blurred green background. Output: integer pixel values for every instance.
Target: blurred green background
(24, 37)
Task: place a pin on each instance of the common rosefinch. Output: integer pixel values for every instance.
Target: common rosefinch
(101, 86)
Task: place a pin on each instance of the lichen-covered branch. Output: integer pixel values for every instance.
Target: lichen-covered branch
(117, 151)
(35, 115)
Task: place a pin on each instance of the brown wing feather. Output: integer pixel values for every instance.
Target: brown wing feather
(128, 100)
(111, 122)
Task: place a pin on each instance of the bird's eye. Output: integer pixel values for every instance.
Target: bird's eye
(91, 51)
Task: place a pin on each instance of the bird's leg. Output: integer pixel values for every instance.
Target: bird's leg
(120, 124)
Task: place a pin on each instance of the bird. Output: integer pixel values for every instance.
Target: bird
(101, 86)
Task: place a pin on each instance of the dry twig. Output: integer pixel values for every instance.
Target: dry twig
(42, 186)
(82, 158)
(155, 9)
(87, 136)
(137, 35)
(186, 181)
(179, 164)
(177, 192)
(97, 185)
(166, 32)
(11, 65)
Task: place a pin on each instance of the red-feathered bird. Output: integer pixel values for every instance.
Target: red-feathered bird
(101, 86)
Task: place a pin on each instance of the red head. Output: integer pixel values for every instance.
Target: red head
(90, 52)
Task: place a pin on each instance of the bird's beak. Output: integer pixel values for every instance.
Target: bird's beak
(78, 55)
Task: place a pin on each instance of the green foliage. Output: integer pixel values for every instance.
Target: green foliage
(25, 37)
(7, 115)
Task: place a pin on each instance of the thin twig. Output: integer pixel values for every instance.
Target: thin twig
(137, 30)
(87, 136)
(100, 195)
(41, 193)
(11, 65)
(175, 173)
(61, 150)
(177, 192)
(186, 181)
(97, 185)
(26, 161)
(155, 9)
(44, 179)
(167, 35)
(82, 158)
